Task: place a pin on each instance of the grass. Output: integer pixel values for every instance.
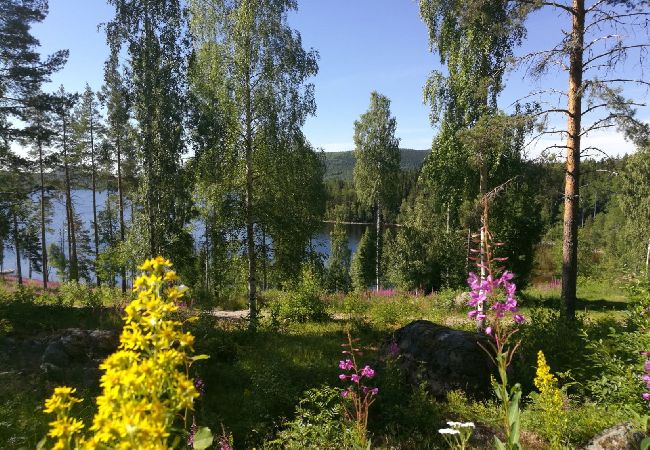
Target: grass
(254, 381)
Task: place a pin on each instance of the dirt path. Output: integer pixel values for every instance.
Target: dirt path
(229, 315)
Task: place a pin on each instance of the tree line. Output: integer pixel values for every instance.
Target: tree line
(199, 121)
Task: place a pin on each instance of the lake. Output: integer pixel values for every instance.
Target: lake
(82, 199)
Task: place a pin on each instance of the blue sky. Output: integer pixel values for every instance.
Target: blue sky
(364, 45)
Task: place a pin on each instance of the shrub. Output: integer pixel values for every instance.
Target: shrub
(320, 423)
(302, 304)
(72, 293)
(25, 295)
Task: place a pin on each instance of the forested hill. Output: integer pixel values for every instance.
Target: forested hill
(340, 164)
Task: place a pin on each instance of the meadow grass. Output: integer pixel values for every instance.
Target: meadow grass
(255, 380)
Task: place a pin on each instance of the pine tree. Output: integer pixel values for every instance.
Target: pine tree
(64, 104)
(22, 71)
(88, 129)
(149, 34)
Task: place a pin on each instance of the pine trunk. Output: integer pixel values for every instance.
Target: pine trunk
(572, 175)
(120, 196)
(19, 268)
(43, 241)
(94, 187)
(72, 237)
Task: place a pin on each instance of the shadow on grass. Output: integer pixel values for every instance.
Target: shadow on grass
(582, 304)
(29, 318)
(254, 381)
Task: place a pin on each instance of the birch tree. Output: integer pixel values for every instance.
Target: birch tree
(377, 167)
(252, 66)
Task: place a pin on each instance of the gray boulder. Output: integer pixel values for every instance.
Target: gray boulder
(444, 358)
(55, 354)
(76, 344)
(618, 437)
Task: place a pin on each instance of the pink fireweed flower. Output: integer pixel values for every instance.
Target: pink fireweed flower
(355, 378)
(371, 391)
(495, 294)
(367, 372)
(345, 365)
(343, 377)
(345, 394)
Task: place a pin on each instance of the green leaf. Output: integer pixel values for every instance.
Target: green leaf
(645, 443)
(498, 444)
(513, 410)
(41, 443)
(199, 357)
(203, 438)
(514, 432)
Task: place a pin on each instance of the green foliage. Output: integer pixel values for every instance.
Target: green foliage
(337, 275)
(393, 312)
(301, 304)
(377, 155)
(426, 259)
(362, 267)
(145, 41)
(320, 423)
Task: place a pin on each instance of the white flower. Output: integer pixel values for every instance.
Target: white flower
(448, 431)
(467, 425)
(454, 424)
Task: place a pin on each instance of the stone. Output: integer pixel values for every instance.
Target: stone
(76, 344)
(55, 354)
(618, 437)
(52, 371)
(104, 342)
(444, 358)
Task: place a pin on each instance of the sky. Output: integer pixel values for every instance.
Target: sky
(364, 45)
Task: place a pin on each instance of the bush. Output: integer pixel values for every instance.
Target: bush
(320, 423)
(394, 312)
(72, 293)
(25, 295)
(301, 304)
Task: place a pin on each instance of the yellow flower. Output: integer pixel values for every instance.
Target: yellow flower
(63, 428)
(62, 400)
(544, 379)
(145, 387)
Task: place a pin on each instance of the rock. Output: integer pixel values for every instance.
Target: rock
(104, 342)
(53, 372)
(618, 437)
(55, 354)
(444, 358)
(76, 344)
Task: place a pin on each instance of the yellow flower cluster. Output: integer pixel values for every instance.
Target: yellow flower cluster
(545, 380)
(63, 429)
(145, 385)
(551, 403)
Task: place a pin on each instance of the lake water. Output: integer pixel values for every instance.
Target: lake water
(82, 199)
